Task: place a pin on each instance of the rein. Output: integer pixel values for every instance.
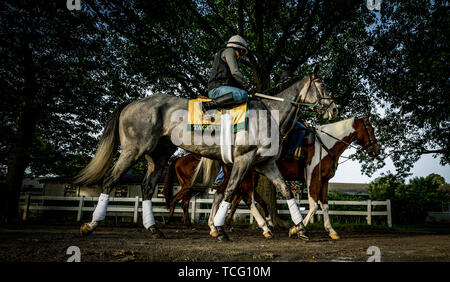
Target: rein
(297, 112)
(284, 100)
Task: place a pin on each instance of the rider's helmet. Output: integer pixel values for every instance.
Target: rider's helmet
(237, 41)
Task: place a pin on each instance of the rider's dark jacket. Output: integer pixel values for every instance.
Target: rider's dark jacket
(225, 71)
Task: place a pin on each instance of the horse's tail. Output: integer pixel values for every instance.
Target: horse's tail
(209, 169)
(106, 148)
(168, 183)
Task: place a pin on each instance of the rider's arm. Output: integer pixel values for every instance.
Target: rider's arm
(230, 57)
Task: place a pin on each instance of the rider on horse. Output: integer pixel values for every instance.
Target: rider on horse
(226, 85)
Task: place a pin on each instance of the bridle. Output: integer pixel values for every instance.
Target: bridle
(369, 148)
(302, 103)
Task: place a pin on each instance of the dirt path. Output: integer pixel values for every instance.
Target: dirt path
(50, 243)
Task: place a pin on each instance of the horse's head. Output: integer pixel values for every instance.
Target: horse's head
(317, 92)
(366, 137)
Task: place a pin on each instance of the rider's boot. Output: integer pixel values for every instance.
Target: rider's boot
(224, 101)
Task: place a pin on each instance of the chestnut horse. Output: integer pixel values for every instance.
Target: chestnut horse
(184, 168)
(331, 141)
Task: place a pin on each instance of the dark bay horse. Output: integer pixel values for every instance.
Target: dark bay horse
(184, 169)
(153, 127)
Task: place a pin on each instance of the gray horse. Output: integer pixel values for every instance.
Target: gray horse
(154, 126)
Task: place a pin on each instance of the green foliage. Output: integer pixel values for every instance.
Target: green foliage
(63, 72)
(410, 202)
(338, 196)
(408, 74)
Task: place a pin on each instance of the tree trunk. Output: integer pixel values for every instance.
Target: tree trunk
(17, 163)
(268, 193)
(21, 142)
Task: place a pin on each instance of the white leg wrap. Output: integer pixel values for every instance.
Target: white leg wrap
(219, 219)
(295, 211)
(147, 214)
(100, 210)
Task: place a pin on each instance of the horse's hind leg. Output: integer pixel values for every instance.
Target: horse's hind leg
(250, 200)
(126, 159)
(312, 210)
(179, 196)
(270, 170)
(263, 205)
(326, 218)
(185, 204)
(156, 162)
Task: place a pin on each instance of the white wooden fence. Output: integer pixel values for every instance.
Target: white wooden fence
(132, 207)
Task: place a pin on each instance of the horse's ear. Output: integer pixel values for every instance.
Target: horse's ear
(315, 71)
(367, 116)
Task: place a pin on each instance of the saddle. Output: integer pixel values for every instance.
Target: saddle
(197, 120)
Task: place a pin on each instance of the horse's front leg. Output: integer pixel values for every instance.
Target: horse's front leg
(270, 170)
(216, 202)
(240, 168)
(326, 218)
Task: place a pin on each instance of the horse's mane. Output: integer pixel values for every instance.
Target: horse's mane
(334, 127)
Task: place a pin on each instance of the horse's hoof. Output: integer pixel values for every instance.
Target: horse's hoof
(86, 230)
(292, 231)
(268, 235)
(335, 236)
(303, 237)
(300, 231)
(156, 233)
(213, 234)
(222, 236)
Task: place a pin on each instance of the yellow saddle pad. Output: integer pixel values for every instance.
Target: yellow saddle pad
(197, 120)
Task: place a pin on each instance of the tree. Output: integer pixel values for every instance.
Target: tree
(408, 72)
(57, 89)
(410, 202)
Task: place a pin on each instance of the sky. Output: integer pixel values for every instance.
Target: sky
(350, 171)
